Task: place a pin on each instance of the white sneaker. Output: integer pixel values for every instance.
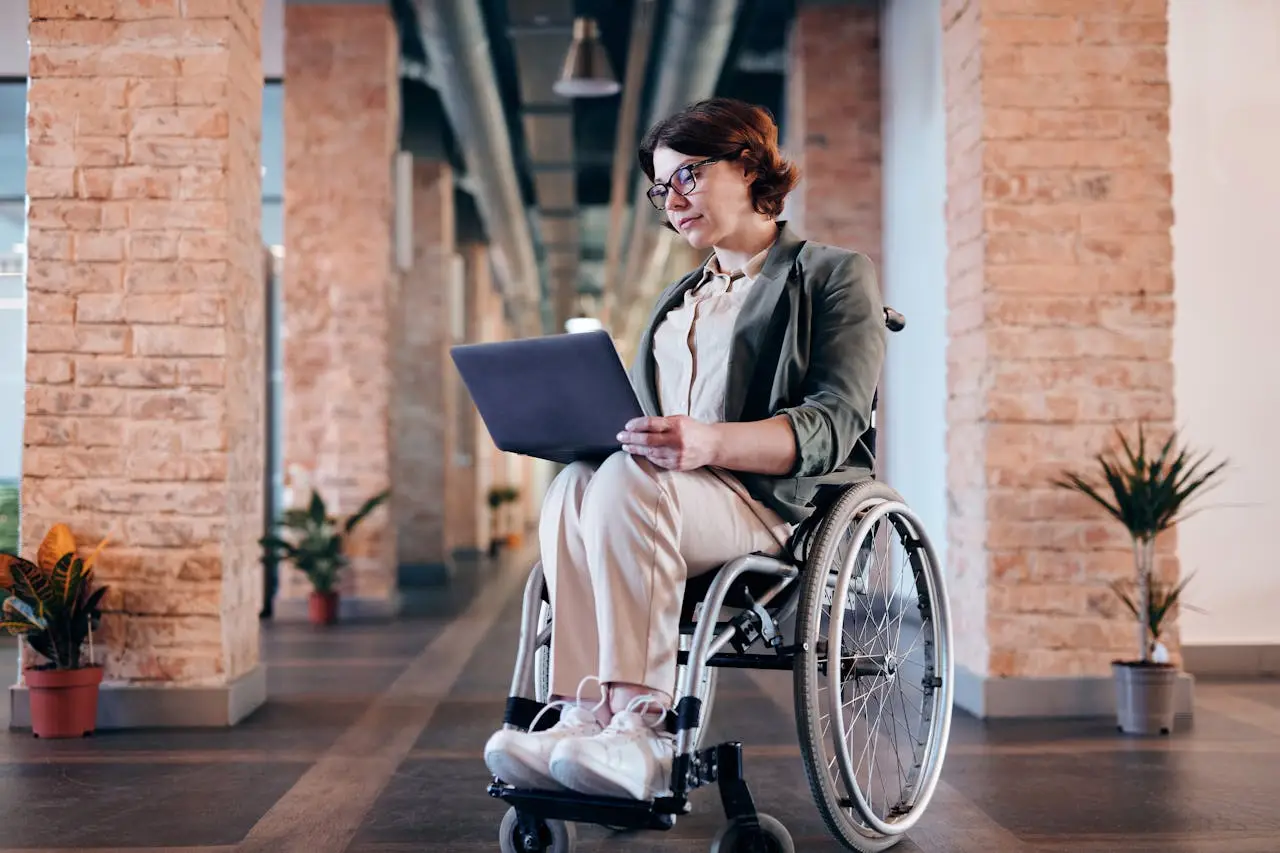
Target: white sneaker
(631, 758)
(522, 758)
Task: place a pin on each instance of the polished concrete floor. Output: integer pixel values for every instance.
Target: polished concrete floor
(371, 742)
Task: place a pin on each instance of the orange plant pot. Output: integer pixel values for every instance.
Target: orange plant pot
(64, 702)
(323, 608)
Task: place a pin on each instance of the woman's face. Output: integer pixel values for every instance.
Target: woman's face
(716, 206)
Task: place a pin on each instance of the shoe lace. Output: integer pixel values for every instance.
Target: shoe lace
(576, 701)
(649, 702)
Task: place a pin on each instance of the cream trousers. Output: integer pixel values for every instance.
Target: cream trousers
(618, 543)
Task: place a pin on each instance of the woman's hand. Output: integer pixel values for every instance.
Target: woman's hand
(677, 443)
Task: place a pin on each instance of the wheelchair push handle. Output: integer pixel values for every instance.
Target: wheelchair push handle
(893, 320)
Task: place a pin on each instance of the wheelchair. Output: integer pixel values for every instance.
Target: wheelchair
(862, 563)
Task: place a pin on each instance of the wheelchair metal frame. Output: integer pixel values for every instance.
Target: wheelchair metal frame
(691, 768)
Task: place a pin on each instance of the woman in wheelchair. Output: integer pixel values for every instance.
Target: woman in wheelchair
(758, 371)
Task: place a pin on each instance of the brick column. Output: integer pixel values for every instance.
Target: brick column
(341, 118)
(834, 95)
(424, 407)
(482, 326)
(467, 509)
(145, 341)
(1061, 306)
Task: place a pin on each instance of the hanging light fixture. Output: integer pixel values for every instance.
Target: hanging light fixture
(586, 72)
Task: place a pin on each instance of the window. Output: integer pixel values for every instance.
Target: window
(13, 182)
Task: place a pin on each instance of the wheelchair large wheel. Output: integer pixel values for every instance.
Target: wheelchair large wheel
(873, 707)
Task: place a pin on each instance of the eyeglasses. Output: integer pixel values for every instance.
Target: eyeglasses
(683, 181)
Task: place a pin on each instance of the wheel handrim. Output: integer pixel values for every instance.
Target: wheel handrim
(924, 664)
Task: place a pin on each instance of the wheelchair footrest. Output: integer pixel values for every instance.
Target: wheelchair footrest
(606, 811)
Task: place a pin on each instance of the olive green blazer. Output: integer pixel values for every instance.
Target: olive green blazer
(809, 343)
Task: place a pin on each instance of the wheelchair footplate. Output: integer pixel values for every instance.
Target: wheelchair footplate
(619, 813)
(540, 821)
(722, 763)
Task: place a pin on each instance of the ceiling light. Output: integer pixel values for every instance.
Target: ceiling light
(576, 325)
(586, 72)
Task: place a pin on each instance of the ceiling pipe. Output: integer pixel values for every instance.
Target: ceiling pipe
(694, 46)
(642, 25)
(457, 46)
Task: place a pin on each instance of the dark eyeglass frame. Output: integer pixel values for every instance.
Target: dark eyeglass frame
(659, 201)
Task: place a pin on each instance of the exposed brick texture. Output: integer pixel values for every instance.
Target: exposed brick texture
(145, 369)
(424, 405)
(835, 104)
(341, 121)
(466, 509)
(484, 308)
(1061, 310)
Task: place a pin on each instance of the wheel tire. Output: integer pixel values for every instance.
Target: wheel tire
(776, 838)
(556, 836)
(844, 515)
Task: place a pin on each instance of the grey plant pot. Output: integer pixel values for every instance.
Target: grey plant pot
(1144, 697)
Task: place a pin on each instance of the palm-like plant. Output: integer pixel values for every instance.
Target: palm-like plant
(52, 601)
(1147, 494)
(315, 541)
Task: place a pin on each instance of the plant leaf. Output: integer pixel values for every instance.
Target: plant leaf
(17, 610)
(317, 509)
(88, 563)
(57, 543)
(7, 562)
(32, 586)
(65, 579)
(369, 506)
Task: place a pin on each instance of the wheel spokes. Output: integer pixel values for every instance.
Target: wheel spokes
(879, 734)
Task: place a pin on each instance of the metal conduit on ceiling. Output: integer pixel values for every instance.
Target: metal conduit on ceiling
(457, 45)
(694, 45)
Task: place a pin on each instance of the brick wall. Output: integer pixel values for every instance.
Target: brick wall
(480, 327)
(145, 338)
(467, 510)
(424, 377)
(1061, 307)
(341, 121)
(835, 103)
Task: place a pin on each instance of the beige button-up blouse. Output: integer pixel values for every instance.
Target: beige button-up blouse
(691, 348)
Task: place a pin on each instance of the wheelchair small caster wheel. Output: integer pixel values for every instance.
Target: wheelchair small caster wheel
(536, 836)
(772, 837)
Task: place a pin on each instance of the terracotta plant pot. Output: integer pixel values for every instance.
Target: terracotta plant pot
(323, 608)
(64, 702)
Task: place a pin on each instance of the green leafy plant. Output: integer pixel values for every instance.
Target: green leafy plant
(315, 541)
(52, 601)
(1148, 494)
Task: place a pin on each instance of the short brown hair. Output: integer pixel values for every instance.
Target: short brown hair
(724, 127)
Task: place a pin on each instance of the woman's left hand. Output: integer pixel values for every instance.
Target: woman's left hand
(677, 443)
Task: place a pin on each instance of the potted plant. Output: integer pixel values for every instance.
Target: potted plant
(53, 604)
(511, 495)
(1147, 495)
(315, 543)
(496, 498)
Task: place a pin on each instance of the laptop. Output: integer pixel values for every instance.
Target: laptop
(562, 398)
